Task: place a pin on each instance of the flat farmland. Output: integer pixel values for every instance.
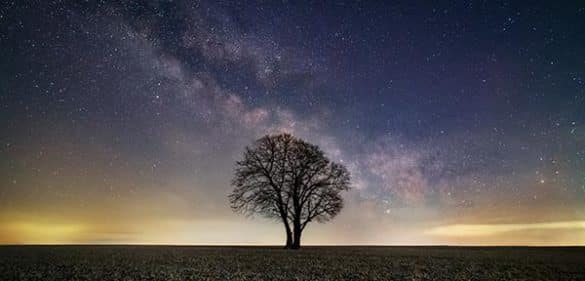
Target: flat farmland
(273, 263)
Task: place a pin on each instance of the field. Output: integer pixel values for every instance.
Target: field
(271, 263)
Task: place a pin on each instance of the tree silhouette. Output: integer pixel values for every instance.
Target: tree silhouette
(285, 178)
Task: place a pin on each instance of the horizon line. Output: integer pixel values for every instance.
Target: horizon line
(308, 245)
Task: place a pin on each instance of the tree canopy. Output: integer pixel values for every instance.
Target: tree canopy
(285, 178)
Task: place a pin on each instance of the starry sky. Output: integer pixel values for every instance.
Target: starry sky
(461, 123)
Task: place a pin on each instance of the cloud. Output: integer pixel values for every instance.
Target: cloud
(40, 232)
(479, 230)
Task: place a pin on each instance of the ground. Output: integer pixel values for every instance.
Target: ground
(271, 263)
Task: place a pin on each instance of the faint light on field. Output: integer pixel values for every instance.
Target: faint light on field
(469, 230)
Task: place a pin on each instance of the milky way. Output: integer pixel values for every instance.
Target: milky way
(460, 124)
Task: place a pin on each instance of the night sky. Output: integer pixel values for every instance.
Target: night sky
(460, 124)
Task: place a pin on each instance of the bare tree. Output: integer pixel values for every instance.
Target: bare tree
(286, 178)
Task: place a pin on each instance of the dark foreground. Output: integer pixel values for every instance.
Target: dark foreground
(310, 263)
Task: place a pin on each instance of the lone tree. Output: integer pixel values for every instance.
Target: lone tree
(285, 178)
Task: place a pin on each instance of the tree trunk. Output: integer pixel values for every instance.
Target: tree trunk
(297, 236)
(289, 238)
